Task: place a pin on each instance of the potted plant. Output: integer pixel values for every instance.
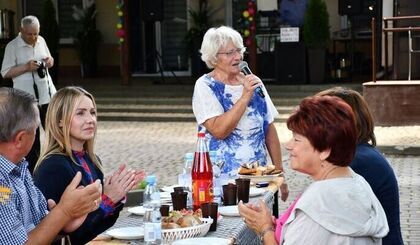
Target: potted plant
(200, 19)
(316, 35)
(87, 38)
(51, 33)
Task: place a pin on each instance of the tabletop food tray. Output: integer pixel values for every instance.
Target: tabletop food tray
(169, 235)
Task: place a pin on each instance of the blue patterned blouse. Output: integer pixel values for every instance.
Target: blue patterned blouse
(246, 143)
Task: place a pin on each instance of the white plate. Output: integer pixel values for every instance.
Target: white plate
(253, 191)
(139, 210)
(203, 240)
(257, 179)
(229, 210)
(127, 233)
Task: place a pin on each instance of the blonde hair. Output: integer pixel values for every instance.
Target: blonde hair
(57, 125)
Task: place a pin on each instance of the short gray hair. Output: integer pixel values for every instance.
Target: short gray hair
(28, 21)
(18, 111)
(216, 38)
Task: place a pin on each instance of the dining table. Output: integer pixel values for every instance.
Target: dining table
(228, 227)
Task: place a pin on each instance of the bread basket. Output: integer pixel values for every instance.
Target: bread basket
(170, 235)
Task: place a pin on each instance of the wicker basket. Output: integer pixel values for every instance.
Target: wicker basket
(170, 235)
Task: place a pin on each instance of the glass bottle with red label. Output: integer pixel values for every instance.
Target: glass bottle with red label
(202, 174)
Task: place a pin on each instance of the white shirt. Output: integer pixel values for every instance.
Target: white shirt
(336, 211)
(18, 52)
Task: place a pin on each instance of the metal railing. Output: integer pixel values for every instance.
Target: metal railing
(386, 30)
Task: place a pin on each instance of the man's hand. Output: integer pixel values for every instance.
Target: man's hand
(49, 62)
(72, 225)
(31, 65)
(78, 201)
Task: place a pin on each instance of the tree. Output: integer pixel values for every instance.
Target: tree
(316, 29)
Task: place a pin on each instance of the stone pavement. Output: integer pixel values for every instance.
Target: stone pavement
(158, 147)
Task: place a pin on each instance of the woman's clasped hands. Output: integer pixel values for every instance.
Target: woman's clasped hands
(122, 181)
(256, 217)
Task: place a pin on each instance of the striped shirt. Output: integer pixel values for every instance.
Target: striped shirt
(22, 205)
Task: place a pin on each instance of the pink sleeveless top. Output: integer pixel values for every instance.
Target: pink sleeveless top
(283, 218)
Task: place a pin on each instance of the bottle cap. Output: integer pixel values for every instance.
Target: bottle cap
(189, 156)
(201, 135)
(151, 179)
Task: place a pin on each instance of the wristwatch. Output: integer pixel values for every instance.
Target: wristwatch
(262, 234)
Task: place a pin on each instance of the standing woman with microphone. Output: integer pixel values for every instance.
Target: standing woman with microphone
(237, 118)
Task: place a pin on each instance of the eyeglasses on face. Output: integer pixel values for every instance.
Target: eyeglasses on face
(232, 52)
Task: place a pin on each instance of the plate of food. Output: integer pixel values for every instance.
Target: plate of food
(184, 224)
(127, 233)
(258, 173)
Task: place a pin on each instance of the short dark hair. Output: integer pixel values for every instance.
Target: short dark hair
(18, 111)
(328, 123)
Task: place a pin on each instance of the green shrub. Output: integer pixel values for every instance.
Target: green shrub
(316, 29)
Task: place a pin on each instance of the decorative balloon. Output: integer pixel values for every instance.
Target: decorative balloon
(247, 22)
(121, 33)
(120, 25)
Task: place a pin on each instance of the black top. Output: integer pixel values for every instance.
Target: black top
(372, 165)
(53, 176)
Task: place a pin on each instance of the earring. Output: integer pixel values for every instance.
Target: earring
(322, 163)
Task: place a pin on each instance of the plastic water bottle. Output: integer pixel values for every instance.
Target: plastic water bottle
(186, 176)
(152, 216)
(188, 162)
(217, 187)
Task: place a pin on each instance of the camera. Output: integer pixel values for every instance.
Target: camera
(42, 69)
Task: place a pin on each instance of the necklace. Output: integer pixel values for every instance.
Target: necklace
(329, 172)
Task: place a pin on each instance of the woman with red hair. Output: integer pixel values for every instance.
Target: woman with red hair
(339, 207)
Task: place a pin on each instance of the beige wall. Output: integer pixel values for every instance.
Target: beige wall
(14, 6)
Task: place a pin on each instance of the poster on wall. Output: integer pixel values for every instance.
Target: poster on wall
(289, 34)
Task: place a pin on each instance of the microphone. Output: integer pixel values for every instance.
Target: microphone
(243, 66)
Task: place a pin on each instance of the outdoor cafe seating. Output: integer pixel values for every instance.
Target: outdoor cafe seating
(230, 226)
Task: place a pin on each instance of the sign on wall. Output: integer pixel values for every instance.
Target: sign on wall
(289, 34)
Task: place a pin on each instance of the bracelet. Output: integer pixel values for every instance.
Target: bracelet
(262, 234)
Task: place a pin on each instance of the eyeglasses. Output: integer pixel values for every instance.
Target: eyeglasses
(232, 52)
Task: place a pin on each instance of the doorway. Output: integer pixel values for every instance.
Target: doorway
(157, 33)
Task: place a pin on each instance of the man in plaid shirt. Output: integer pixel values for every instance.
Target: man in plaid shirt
(24, 217)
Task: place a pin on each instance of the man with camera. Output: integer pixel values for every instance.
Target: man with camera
(26, 61)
